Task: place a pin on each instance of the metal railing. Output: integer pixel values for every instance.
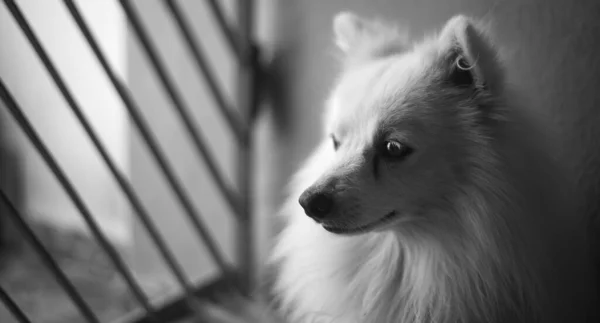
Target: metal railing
(245, 50)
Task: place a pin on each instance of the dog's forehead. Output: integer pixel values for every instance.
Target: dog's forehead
(370, 93)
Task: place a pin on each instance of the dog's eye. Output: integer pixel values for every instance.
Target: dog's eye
(396, 150)
(336, 142)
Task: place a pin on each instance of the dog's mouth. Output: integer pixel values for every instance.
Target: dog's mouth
(363, 228)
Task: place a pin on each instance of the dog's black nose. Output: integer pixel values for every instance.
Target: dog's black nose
(316, 205)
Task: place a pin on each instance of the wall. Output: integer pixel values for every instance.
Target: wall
(40, 100)
(553, 45)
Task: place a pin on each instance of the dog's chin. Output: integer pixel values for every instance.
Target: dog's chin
(377, 225)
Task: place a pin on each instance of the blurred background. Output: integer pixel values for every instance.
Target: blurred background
(552, 50)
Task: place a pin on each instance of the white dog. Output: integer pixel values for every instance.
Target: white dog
(431, 198)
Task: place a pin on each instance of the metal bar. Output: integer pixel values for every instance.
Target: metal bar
(134, 200)
(247, 89)
(48, 260)
(12, 306)
(72, 192)
(230, 37)
(179, 106)
(203, 66)
(159, 156)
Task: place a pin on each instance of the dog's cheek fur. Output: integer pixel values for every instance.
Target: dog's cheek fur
(432, 176)
(426, 180)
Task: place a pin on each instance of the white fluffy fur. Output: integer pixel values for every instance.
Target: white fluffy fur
(516, 255)
(501, 245)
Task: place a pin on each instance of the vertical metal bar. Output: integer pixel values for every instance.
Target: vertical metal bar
(60, 175)
(178, 104)
(134, 200)
(12, 306)
(47, 259)
(159, 156)
(203, 66)
(246, 92)
(230, 36)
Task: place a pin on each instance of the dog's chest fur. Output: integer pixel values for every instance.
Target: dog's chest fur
(328, 278)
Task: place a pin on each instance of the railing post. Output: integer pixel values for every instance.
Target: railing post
(247, 91)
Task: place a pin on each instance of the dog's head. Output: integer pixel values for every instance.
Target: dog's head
(406, 124)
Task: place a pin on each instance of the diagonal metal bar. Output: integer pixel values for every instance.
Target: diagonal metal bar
(159, 156)
(230, 36)
(12, 306)
(134, 200)
(60, 175)
(203, 65)
(48, 261)
(183, 112)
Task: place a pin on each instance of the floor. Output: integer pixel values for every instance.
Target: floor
(36, 291)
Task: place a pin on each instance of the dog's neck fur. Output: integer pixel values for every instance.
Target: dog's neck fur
(467, 274)
(406, 276)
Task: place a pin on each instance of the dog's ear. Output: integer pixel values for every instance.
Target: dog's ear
(473, 59)
(360, 39)
(348, 29)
